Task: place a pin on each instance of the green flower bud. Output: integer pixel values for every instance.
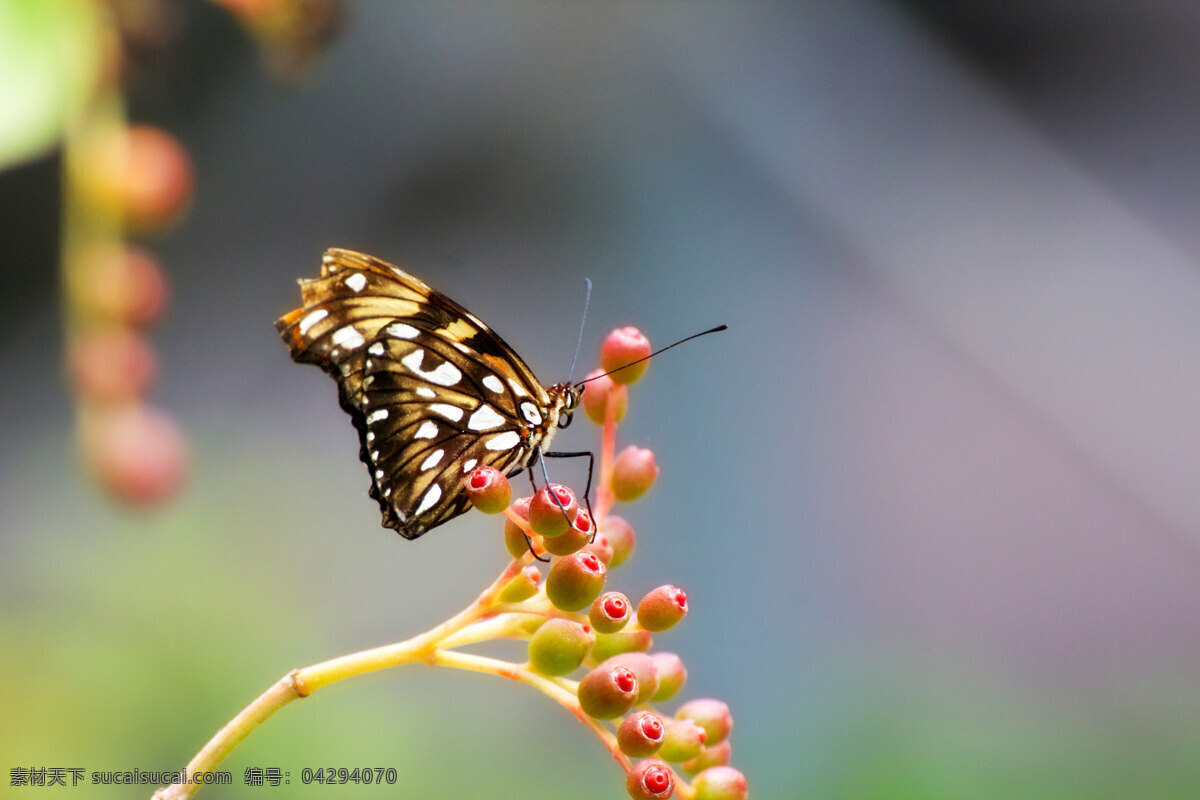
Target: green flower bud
(715, 756)
(521, 587)
(559, 646)
(720, 783)
(609, 644)
(682, 740)
(672, 674)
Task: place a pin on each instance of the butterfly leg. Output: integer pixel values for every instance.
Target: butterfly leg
(528, 541)
(587, 492)
(542, 461)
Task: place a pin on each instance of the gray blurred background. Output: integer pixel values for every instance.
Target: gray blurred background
(933, 496)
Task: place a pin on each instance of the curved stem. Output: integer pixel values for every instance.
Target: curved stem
(303, 682)
(522, 674)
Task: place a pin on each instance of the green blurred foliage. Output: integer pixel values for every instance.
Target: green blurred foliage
(50, 58)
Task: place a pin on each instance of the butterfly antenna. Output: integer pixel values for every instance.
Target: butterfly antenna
(656, 352)
(587, 299)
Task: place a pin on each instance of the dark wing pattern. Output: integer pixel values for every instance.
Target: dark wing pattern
(433, 392)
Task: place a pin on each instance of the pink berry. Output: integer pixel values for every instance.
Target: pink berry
(634, 472)
(488, 490)
(621, 347)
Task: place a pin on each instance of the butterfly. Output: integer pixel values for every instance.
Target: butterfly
(434, 393)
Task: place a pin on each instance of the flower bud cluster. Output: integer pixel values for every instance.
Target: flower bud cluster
(592, 628)
(125, 180)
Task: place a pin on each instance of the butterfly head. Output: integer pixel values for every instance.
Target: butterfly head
(564, 398)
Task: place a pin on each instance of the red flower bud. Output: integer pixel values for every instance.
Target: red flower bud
(575, 581)
(650, 780)
(488, 490)
(112, 366)
(144, 171)
(514, 538)
(624, 346)
(598, 392)
(712, 715)
(640, 734)
(642, 666)
(661, 608)
(608, 691)
(551, 515)
(138, 454)
(600, 546)
(609, 612)
(124, 284)
(576, 537)
(620, 537)
(633, 473)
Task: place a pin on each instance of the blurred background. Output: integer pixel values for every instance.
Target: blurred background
(933, 496)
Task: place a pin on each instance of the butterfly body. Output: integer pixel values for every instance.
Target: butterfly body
(433, 392)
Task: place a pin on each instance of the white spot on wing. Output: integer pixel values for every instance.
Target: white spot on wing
(518, 388)
(356, 282)
(469, 464)
(376, 349)
(452, 413)
(402, 331)
(370, 436)
(484, 419)
(348, 337)
(433, 459)
(312, 319)
(504, 441)
(428, 430)
(430, 499)
(531, 413)
(446, 374)
(376, 415)
(425, 391)
(493, 384)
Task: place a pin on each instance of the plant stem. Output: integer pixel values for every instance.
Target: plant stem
(303, 682)
(522, 674)
(608, 444)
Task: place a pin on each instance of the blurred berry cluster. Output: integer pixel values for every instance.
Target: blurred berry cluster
(125, 182)
(579, 625)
